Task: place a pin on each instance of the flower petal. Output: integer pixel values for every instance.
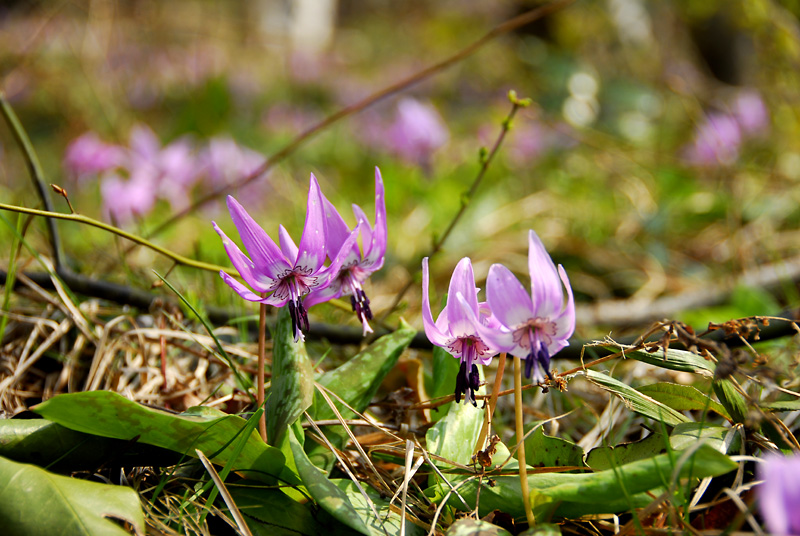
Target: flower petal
(267, 257)
(494, 337)
(240, 261)
(240, 289)
(312, 244)
(345, 254)
(565, 322)
(338, 231)
(374, 254)
(545, 284)
(463, 281)
(288, 247)
(334, 290)
(508, 299)
(436, 336)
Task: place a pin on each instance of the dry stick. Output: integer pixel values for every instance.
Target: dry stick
(465, 200)
(523, 472)
(501, 29)
(262, 350)
(498, 378)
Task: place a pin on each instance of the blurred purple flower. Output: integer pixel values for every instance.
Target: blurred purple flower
(534, 325)
(417, 131)
(225, 162)
(355, 266)
(779, 494)
(455, 330)
(288, 273)
(123, 200)
(716, 141)
(751, 112)
(88, 155)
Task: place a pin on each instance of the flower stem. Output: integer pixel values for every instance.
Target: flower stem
(262, 350)
(487, 422)
(523, 473)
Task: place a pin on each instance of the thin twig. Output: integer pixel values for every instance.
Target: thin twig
(262, 350)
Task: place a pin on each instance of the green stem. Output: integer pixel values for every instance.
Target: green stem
(523, 472)
(179, 259)
(262, 350)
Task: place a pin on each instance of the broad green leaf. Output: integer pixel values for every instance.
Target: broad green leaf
(445, 370)
(674, 360)
(35, 502)
(108, 414)
(574, 494)
(783, 405)
(357, 381)
(545, 451)
(636, 401)
(292, 387)
(389, 523)
(475, 527)
(682, 397)
(602, 458)
(685, 435)
(543, 529)
(59, 449)
(270, 512)
(454, 437)
(324, 491)
(731, 399)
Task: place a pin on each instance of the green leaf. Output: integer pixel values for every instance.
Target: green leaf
(108, 414)
(783, 405)
(270, 512)
(389, 523)
(445, 370)
(682, 397)
(602, 458)
(475, 527)
(292, 388)
(61, 450)
(545, 451)
(576, 494)
(543, 529)
(731, 399)
(681, 360)
(636, 401)
(685, 435)
(454, 437)
(35, 502)
(357, 381)
(324, 492)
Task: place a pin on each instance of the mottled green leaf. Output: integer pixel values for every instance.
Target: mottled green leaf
(731, 399)
(269, 512)
(454, 437)
(357, 381)
(292, 387)
(636, 401)
(783, 405)
(682, 397)
(475, 527)
(36, 502)
(602, 458)
(545, 451)
(685, 435)
(324, 492)
(674, 359)
(108, 414)
(543, 529)
(389, 523)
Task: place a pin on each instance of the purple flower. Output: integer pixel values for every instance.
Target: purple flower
(751, 112)
(123, 200)
(286, 273)
(355, 265)
(533, 326)
(417, 131)
(226, 162)
(88, 155)
(779, 494)
(716, 141)
(455, 330)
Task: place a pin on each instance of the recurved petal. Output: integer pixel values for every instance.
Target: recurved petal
(288, 247)
(462, 281)
(497, 338)
(565, 322)
(376, 251)
(772, 494)
(267, 257)
(334, 290)
(346, 254)
(435, 335)
(545, 284)
(508, 299)
(240, 261)
(338, 231)
(240, 289)
(312, 244)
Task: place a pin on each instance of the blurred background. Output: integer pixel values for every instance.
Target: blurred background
(659, 159)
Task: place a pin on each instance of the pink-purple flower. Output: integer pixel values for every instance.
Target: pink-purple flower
(455, 329)
(356, 264)
(531, 325)
(417, 131)
(716, 141)
(88, 155)
(779, 493)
